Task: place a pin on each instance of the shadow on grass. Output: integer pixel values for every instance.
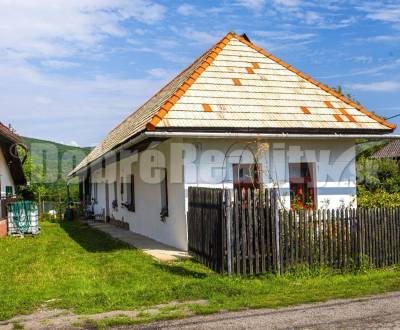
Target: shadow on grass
(90, 239)
(180, 271)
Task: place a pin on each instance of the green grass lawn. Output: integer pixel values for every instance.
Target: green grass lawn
(73, 266)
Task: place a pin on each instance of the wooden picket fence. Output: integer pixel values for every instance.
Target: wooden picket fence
(247, 232)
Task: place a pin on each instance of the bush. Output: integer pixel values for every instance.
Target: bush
(379, 198)
(379, 174)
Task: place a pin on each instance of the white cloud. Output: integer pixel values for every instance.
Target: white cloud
(63, 27)
(382, 86)
(42, 100)
(201, 37)
(158, 73)
(252, 4)
(362, 59)
(372, 71)
(284, 35)
(383, 38)
(57, 64)
(73, 143)
(312, 17)
(186, 9)
(389, 12)
(288, 3)
(81, 109)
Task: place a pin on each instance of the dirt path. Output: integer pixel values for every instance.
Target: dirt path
(378, 312)
(53, 319)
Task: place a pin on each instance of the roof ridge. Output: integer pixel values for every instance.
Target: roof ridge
(168, 104)
(316, 83)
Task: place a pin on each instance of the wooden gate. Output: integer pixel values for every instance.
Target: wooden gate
(206, 227)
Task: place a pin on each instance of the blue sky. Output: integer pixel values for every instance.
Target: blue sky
(71, 70)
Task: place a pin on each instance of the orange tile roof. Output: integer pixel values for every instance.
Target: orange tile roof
(325, 88)
(265, 101)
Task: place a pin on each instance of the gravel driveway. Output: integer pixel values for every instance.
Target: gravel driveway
(378, 312)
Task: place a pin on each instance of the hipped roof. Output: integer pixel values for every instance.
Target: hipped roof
(237, 86)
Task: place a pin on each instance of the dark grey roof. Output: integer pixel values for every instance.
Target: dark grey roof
(392, 150)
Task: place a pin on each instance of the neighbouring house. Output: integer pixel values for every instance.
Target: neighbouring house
(11, 172)
(236, 117)
(389, 151)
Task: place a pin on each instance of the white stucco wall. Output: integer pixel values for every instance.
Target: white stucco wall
(5, 176)
(334, 159)
(145, 219)
(208, 163)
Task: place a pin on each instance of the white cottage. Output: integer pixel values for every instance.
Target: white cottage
(11, 173)
(237, 116)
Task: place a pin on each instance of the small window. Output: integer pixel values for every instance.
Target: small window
(164, 193)
(103, 168)
(115, 191)
(9, 191)
(95, 190)
(130, 192)
(246, 176)
(302, 185)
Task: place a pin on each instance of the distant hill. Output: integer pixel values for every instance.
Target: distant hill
(62, 147)
(54, 159)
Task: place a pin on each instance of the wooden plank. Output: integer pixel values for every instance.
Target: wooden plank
(250, 231)
(237, 234)
(310, 237)
(244, 234)
(256, 234)
(395, 237)
(325, 238)
(366, 238)
(296, 221)
(268, 240)
(320, 232)
(397, 234)
(343, 238)
(229, 243)
(283, 240)
(390, 231)
(291, 240)
(379, 241)
(261, 212)
(374, 240)
(335, 239)
(358, 250)
(329, 234)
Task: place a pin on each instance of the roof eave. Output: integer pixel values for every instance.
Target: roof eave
(278, 130)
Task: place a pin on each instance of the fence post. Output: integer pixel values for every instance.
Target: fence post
(274, 204)
(228, 214)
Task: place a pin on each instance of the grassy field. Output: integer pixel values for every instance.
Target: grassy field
(75, 267)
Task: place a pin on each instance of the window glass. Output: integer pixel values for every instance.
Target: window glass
(302, 185)
(9, 191)
(130, 193)
(164, 192)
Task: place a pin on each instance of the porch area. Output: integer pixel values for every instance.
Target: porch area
(155, 249)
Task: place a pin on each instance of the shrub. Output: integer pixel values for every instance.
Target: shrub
(379, 198)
